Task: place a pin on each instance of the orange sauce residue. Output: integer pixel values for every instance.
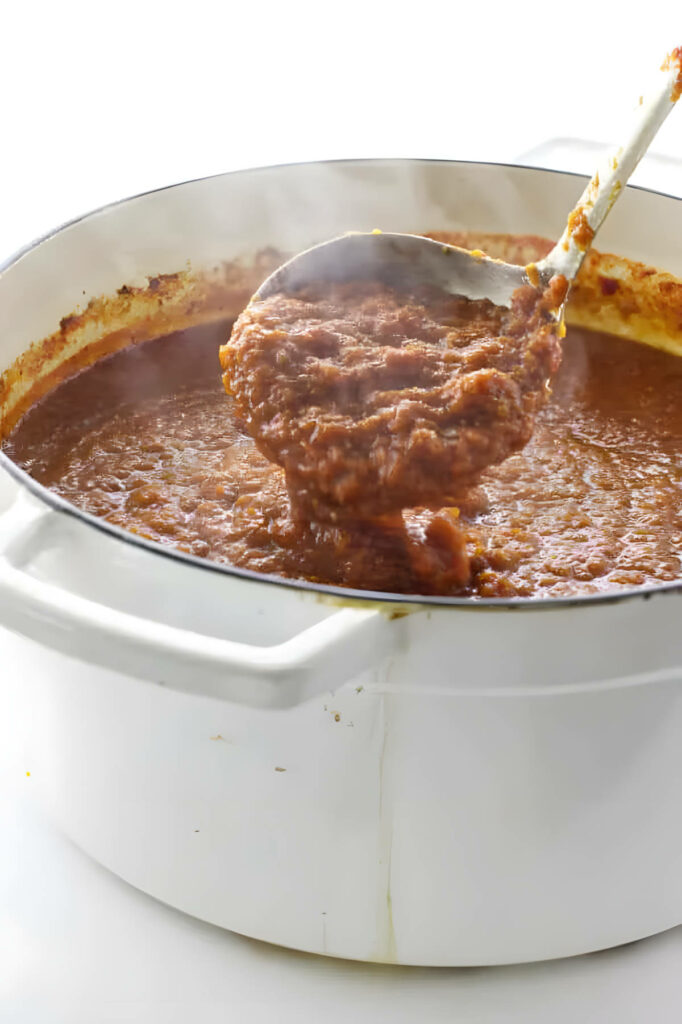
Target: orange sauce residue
(532, 274)
(594, 188)
(579, 228)
(675, 57)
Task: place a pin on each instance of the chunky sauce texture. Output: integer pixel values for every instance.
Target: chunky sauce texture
(374, 399)
(148, 440)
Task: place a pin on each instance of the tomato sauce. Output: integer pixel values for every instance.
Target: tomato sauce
(374, 398)
(148, 440)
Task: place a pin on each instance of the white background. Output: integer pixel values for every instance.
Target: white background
(102, 100)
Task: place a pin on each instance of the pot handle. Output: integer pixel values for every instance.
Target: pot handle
(317, 660)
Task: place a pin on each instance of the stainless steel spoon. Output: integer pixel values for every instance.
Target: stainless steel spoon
(412, 260)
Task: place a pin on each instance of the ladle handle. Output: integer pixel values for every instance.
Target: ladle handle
(609, 180)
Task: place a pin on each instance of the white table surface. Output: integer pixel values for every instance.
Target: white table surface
(79, 946)
(101, 101)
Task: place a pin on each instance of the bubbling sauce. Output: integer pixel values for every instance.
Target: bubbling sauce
(148, 440)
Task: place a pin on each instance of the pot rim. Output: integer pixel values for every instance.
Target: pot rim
(341, 594)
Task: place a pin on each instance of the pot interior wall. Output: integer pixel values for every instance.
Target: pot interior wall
(200, 224)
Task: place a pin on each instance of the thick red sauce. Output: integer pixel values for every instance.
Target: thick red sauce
(148, 440)
(374, 398)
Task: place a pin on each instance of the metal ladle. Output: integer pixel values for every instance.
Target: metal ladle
(413, 260)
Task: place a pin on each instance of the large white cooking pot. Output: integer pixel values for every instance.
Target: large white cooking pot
(439, 782)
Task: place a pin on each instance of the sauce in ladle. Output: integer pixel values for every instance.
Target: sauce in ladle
(375, 399)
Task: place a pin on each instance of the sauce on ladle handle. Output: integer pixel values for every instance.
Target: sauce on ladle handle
(607, 183)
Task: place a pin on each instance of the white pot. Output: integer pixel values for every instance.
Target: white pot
(459, 784)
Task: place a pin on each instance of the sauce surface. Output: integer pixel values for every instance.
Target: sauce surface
(148, 440)
(375, 398)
